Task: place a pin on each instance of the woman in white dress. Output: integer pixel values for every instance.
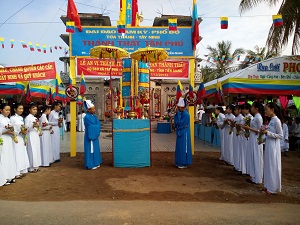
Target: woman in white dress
(246, 156)
(3, 180)
(256, 149)
(46, 150)
(34, 145)
(81, 116)
(17, 122)
(8, 156)
(56, 122)
(284, 142)
(272, 166)
(228, 136)
(238, 144)
(219, 113)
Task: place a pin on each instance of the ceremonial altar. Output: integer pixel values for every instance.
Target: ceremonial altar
(131, 143)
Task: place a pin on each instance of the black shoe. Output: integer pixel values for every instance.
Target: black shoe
(57, 161)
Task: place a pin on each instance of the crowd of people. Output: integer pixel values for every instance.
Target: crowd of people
(252, 139)
(30, 142)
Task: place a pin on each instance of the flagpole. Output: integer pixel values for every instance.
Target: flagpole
(72, 110)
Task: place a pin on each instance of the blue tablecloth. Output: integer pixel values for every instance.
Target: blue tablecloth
(131, 143)
(163, 128)
(217, 140)
(196, 129)
(202, 132)
(208, 134)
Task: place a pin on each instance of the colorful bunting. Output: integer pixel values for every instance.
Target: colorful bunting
(70, 27)
(31, 46)
(50, 48)
(195, 26)
(172, 24)
(12, 42)
(277, 20)
(224, 22)
(2, 41)
(44, 48)
(238, 58)
(38, 47)
(23, 44)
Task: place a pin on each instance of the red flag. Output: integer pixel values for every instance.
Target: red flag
(72, 14)
(134, 12)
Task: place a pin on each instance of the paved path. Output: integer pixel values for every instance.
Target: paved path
(160, 142)
(145, 212)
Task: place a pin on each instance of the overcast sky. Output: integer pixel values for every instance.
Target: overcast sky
(39, 22)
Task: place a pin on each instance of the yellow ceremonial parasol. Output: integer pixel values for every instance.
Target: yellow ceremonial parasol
(149, 54)
(108, 52)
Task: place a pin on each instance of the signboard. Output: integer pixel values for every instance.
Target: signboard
(41, 71)
(168, 69)
(178, 43)
(281, 68)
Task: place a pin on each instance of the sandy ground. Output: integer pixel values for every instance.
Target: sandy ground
(207, 180)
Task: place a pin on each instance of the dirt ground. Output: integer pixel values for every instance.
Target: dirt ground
(207, 180)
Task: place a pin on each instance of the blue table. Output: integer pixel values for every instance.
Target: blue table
(202, 132)
(131, 143)
(208, 134)
(216, 140)
(163, 127)
(196, 129)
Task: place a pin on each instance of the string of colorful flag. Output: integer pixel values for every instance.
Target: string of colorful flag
(29, 45)
(277, 21)
(230, 58)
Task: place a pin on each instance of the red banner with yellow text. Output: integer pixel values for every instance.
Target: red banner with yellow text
(41, 71)
(168, 69)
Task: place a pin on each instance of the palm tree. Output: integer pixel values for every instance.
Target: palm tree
(259, 54)
(208, 73)
(223, 57)
(279, 36)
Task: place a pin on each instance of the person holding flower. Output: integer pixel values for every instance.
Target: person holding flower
(56, 122)
(256, 150)
(219, 114)
(8, 156)
(228, 136)
(246, 108)
(34, 145)
(17, 122)
(238, 151)
(272, 161)
(46, 150)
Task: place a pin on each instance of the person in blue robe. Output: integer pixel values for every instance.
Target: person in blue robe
(92, 155)
(183, 150)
